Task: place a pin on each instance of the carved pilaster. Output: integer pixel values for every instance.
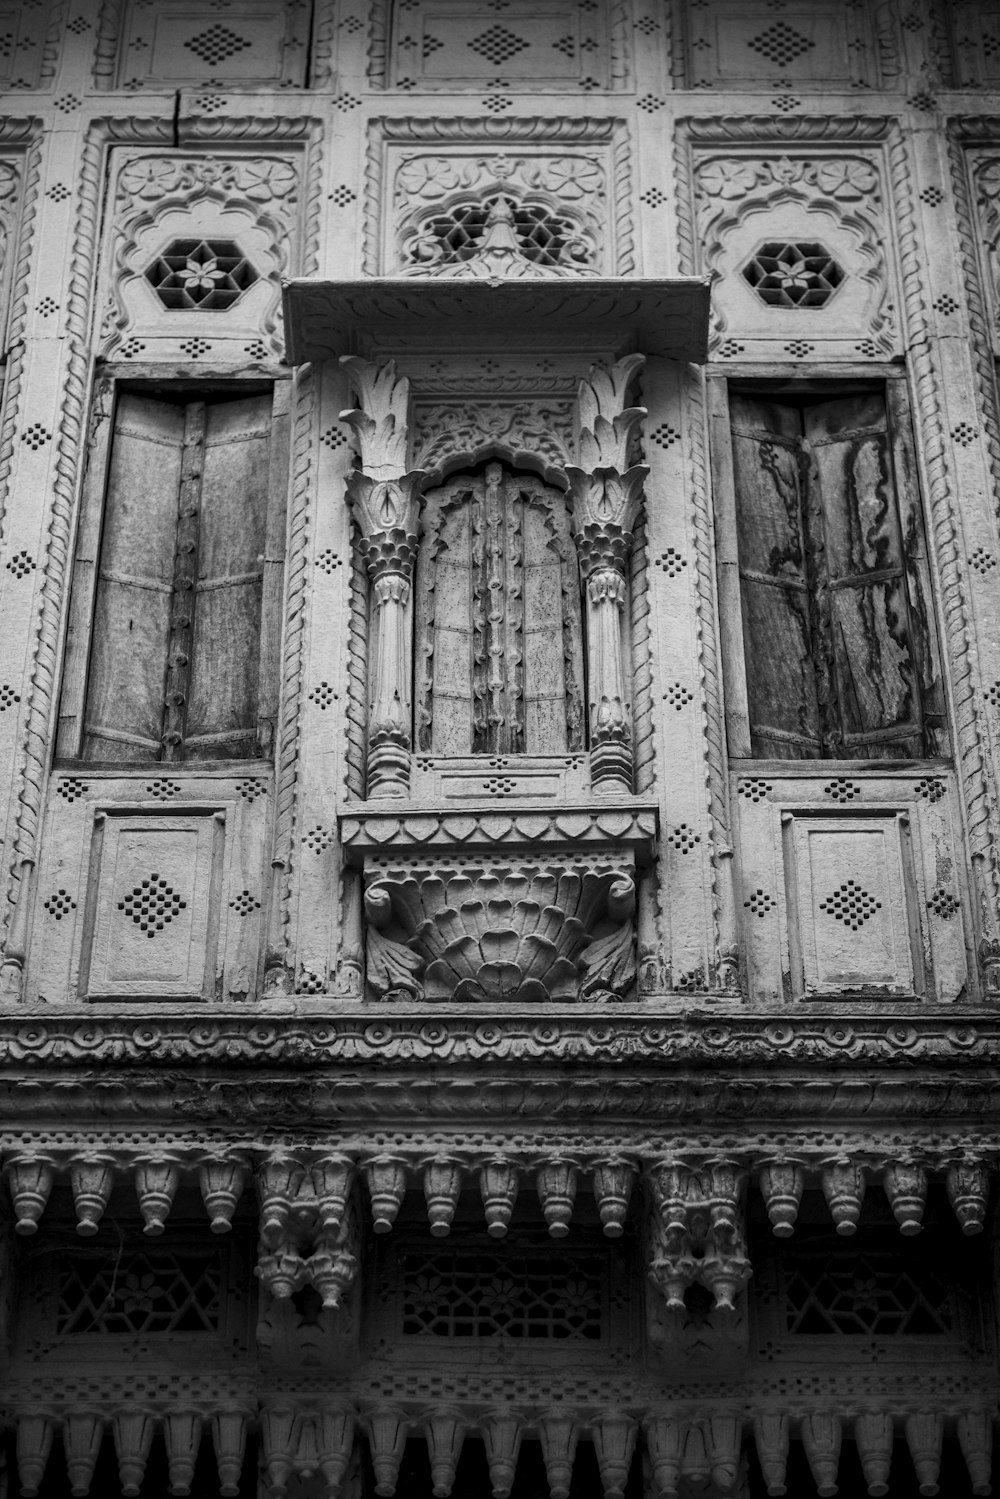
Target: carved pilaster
(606, 491)
(384, 499)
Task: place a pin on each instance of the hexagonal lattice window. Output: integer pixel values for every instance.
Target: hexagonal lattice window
(207, 274)
(786, 273)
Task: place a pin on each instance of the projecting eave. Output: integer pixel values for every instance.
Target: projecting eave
(325, 319)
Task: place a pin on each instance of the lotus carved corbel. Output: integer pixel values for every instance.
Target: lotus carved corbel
(501, 934)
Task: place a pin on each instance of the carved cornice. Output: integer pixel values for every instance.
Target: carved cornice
(648, 1040)
(326, 319)
(368, 830)
(751, 129)
(533, 128)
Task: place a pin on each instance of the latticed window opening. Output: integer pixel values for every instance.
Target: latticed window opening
(471, 1293)
(874, 1289)
(541, 234)
(792, 274)
(205, 274)
(122, 1289)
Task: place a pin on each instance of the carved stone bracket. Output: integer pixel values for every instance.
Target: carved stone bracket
(384, 498)
(696, 1232)
(606, 491)
(461, 930)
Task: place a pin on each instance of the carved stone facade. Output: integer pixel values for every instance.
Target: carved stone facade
(500, 717)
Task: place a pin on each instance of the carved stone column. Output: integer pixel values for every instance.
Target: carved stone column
(606, 492)
(384, 498)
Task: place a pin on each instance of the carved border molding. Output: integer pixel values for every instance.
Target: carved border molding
(378, 831)
(472, 130)
(617, 1036)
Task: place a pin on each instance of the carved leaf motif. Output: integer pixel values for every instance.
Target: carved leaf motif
(391, 966)
(610, 963)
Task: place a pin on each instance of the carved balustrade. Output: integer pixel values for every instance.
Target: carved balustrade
(306, 1438)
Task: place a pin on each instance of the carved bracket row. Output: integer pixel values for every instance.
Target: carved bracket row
(301, 1437)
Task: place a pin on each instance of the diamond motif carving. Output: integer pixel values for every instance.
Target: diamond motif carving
(152, 905)
(781, 43)
(851, 904)
(498, 45)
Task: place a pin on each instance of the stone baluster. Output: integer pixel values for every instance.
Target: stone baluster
(498, 1182)
(276, 1423)
(770, 1431)
(781, 1185)
(723, 1435)
(222, 1183)
(332, 1180)
(873, 1439)
(442, 1185)
(905, 1186)
(968, 1185)
(92, 1179)
(612, 1183)
(384, 498)
(924, 1436)
(82, 1437)
(29, 1181)
(34, 1443)
(156, 1181)
(975, 1437)
(821, 1438)
(181, 1438)
(335, 1426)
(133, 1433)
(502, 1441)
(665, 1443)
(388, 1429)
(558, 1434)
(445, 1435)
(843, 1184)
(386, 1180)
(606, 491)
(614, 1443)
(556, 1186)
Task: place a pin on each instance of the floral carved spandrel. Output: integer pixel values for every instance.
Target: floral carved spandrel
(492, 933)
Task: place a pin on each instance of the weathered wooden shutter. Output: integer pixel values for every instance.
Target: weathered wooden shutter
(875, 709)
(774, 590)
(191, 539)
(221, 719)
(499, 648)
(128, 659)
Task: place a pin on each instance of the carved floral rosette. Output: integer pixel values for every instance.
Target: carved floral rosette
(479, 931)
